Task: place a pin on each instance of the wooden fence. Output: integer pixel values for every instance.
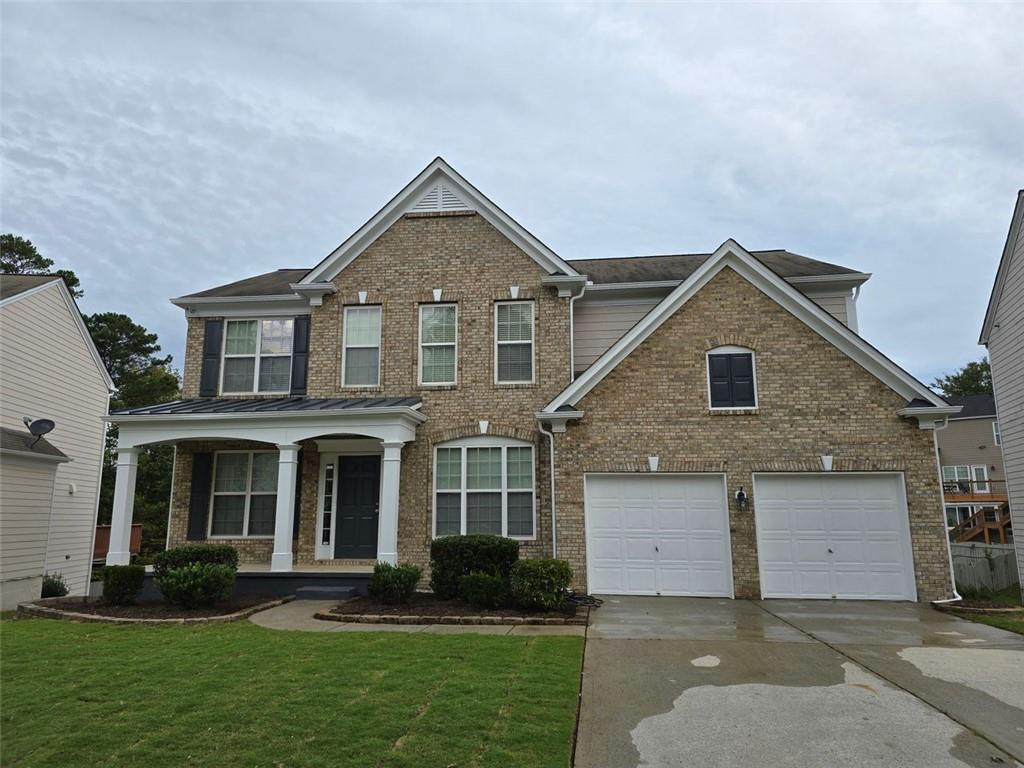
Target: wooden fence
(984, 566)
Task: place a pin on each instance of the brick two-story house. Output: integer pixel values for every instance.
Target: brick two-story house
(706, 424)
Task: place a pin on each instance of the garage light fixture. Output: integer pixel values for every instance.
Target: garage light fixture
(741, 498)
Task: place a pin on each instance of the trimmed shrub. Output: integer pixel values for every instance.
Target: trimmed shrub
(393, 584)
(452, 557)
(54, 585)
(483, 590)
(540, 583)
(121, 583)
(197, 584)
(187, 554)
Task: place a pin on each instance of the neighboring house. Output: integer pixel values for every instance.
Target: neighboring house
(706, 424)
(1003, 334)
(49, 368)
(973, 482)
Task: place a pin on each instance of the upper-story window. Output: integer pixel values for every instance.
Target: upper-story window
(996, 435)
(257, 356)
(361, 354)
(439, 339)
(484, 485)
(732, 381)
(513, 331)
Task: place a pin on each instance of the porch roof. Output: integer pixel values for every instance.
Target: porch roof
(228, 406)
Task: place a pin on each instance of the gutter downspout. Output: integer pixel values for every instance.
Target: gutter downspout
(572, 340)
(949, 550)
(551, 475)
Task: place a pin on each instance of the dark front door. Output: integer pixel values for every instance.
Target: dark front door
(358, 501)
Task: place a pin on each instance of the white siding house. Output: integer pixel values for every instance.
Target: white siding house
(49, 368)
(1003, 334)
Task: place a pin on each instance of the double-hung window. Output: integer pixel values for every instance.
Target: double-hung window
(731, 378)
(438, 343)
(361, 353)
(513, 330)
(244, 494)
(965, 478)
(257, 356)
(484, 485)
(996, 435)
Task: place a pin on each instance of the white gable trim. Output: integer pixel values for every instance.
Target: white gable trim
(731, 254)
(435, 174)
(1016, 222)
(76, 316)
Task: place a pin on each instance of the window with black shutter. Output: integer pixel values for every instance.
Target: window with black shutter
(731, 381)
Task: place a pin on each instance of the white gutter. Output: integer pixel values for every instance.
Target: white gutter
(949, 549)
(411, 411)
(572, 332)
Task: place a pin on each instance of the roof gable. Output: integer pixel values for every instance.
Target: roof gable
(1015, 233)
(76, 318)
(438, 187)
(731, 254)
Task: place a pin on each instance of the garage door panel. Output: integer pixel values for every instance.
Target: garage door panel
(861, 518)
(672, 532)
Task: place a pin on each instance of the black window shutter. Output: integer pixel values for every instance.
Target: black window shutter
(720, 381)
(742, 380)
(209, 380)
(300, 354)
(199, 502)
(298, 497)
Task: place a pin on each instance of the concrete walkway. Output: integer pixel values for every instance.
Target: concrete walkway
(706, 682)
(298, 616)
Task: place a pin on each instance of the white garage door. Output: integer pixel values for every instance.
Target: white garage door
(833, 535)
(658, 535)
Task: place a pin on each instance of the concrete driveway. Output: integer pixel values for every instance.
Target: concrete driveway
(707, 682)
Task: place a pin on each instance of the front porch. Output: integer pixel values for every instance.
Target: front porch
(303, 489)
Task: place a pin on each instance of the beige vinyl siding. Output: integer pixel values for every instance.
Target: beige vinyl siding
(600, 319)
(970, 441)
(1006, 353)
(48, 371)
(26, 491)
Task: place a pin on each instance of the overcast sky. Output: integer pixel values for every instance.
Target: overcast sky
(159, 150)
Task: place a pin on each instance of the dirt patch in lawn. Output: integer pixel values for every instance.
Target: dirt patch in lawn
(428, 606)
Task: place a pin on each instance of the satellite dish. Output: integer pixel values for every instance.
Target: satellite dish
(41, 427)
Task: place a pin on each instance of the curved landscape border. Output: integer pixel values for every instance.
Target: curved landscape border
(42, 609)
(369, 618)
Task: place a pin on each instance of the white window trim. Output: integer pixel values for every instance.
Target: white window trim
(345, 345)
(249, 493)
(730, 350)
(420, 344)
(971, 512)
(997, 436)
(485, 442)
(532, 342)
(974, 484)
(256, 365)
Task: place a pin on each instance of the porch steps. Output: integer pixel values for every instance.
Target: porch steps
(324, 593)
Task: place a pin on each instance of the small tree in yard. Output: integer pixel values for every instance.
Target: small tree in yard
(975, 378)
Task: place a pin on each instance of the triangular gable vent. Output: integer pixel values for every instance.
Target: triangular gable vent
(439, 197)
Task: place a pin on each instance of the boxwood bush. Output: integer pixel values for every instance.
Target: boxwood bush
(197, 584)
(452, 557)
(393, 584)
(121, 583)
(215, 554)
(483, 590)
(540, 583)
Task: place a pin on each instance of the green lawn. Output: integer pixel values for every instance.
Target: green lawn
(1007, 598)
(240, 695)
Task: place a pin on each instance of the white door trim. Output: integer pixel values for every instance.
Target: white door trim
(725, 496)
(326, 551)
(908, 543)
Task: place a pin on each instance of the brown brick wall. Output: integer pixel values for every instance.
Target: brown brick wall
(812, 399)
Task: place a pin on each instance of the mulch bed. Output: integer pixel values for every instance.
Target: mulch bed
(147, 612)
(427, 609)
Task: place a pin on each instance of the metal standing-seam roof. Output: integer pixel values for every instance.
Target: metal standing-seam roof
(267, 405)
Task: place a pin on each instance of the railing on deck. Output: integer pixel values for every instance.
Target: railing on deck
(960, 491)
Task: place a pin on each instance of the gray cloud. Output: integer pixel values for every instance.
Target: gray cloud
(159, 149)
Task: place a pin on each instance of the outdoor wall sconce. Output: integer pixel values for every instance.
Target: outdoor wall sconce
(741, 498)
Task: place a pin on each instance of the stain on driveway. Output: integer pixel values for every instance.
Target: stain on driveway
(653, 696)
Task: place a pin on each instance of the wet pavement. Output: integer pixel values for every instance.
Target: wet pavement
(708, 682)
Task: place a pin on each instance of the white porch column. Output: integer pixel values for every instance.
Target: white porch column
(387, 532)
(287, 471)
(119, 551)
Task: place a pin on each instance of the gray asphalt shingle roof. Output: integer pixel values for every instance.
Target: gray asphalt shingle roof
(265, 405)
(12, 285)
(974, 405)
(24, 442)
